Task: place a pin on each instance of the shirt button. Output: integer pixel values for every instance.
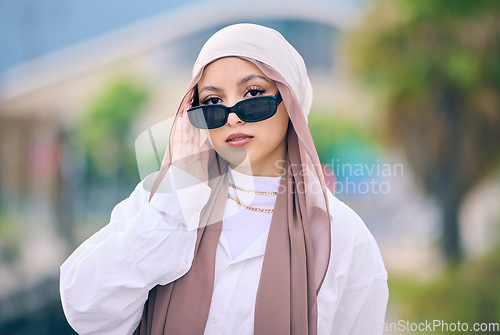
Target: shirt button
(215, 318)
(233, 267)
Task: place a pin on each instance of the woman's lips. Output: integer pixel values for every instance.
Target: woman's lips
(238, 139)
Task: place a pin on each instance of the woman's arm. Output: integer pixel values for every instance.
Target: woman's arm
(105, 282)
(358, 278)
(362, 308)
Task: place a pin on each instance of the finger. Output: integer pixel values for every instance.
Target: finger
(180, 137)
(203, 136)
(185, 130)
(186, 103)
(177, 131)
(205, 148)
(195, 135)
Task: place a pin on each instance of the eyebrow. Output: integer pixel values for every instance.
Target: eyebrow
(250, 77)
(210, 88)
(241, 82)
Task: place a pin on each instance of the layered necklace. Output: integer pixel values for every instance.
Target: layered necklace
(247, 206)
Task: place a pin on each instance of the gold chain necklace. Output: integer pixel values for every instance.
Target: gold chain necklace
(252, 191)
(242, 204)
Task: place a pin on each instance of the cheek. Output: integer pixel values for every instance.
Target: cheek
(273, 131)
(282, 119)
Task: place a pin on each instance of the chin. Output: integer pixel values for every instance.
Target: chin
(233, 155)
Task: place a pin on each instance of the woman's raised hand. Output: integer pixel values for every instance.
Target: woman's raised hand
(190, 150)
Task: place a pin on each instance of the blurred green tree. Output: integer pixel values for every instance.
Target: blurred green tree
(468, 292)
(437, 66)
(105, 129)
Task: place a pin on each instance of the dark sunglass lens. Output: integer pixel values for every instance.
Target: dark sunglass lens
(207, 117)
(215, 116)
(197, 118)
(256, 109)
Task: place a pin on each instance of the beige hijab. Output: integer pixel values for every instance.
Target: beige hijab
(298, 245)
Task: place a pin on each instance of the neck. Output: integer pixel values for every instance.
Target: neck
(275, 169)
(271, 166)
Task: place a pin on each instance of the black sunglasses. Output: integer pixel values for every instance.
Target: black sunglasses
(248, 110)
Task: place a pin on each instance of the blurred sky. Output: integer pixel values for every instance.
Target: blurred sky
(31, 28)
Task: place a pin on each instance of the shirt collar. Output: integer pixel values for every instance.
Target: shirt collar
(256, 249)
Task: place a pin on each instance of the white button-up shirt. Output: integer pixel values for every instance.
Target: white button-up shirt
(105, 282)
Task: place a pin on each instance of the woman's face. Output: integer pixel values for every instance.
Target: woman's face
(256, 148)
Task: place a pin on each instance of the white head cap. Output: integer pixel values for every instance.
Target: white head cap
(262, 44)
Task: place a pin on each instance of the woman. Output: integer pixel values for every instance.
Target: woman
(236, 234)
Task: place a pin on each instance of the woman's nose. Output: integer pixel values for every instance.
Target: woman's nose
(233, 119)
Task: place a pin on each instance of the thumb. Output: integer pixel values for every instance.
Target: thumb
(204, 151)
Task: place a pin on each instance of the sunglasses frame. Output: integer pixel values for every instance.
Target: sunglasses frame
(276, 99)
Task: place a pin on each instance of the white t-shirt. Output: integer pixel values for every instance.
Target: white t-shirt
(105, 282)
(242, 226)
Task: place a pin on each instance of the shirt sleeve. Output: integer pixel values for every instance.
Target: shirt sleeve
(362, 309)
(105, 282)
(362, 285)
